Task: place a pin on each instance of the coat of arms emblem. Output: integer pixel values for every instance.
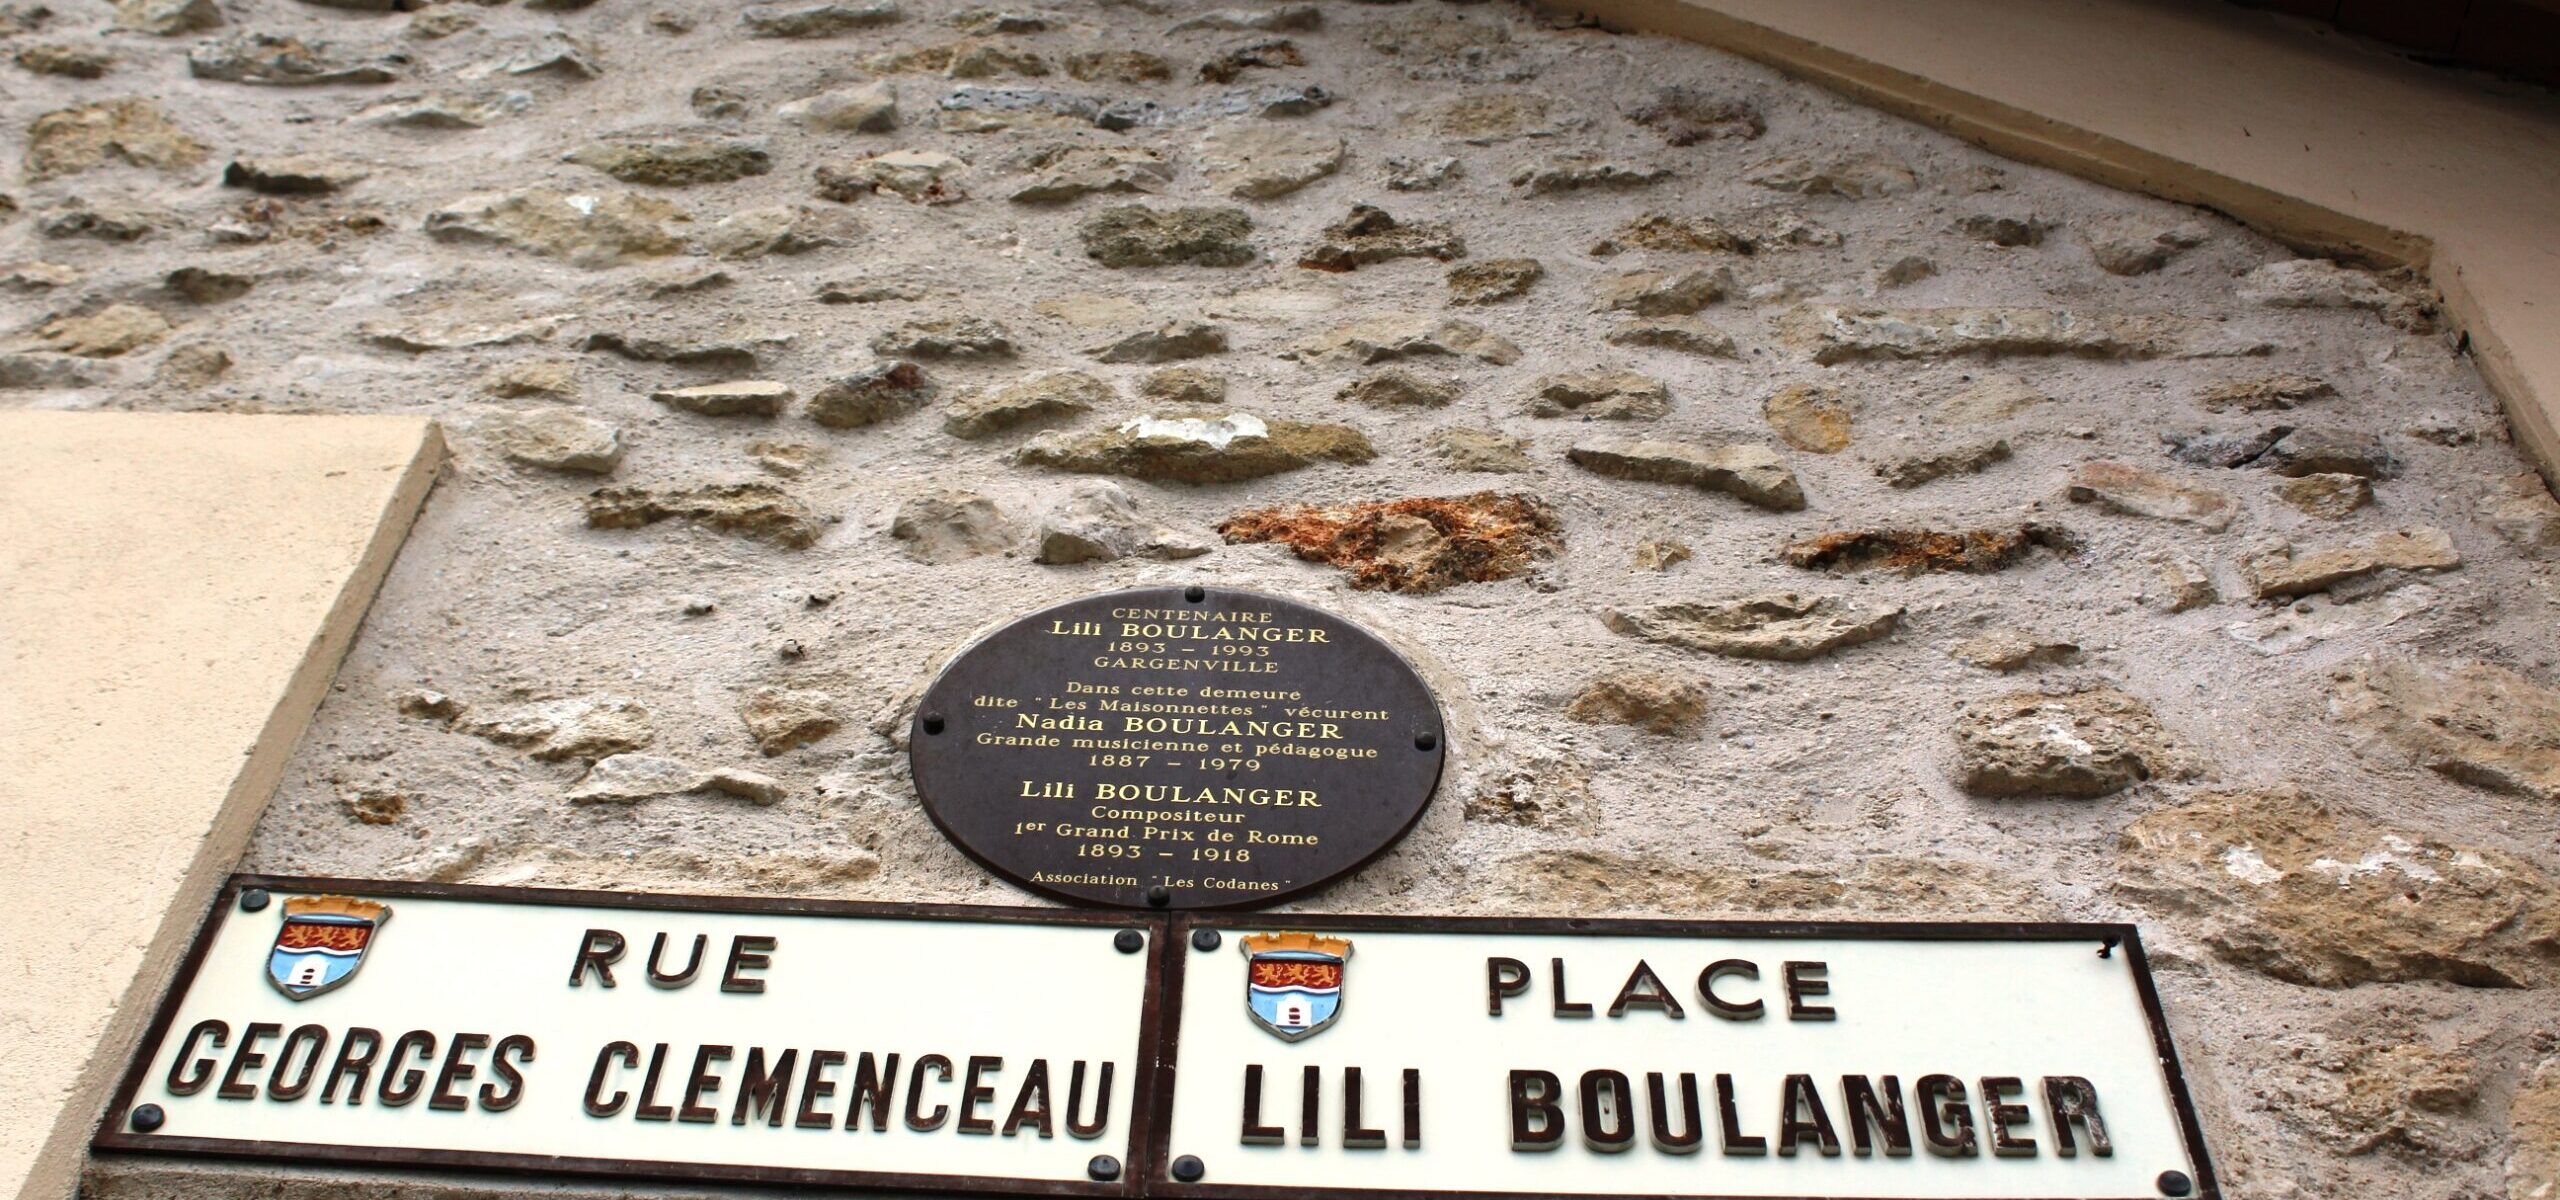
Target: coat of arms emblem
(322, 942)
(1293, 981)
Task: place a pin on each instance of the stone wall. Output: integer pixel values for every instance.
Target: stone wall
(1797, 511)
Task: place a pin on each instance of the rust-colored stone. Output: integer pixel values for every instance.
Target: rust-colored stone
(1911, 551)
(1422, 544)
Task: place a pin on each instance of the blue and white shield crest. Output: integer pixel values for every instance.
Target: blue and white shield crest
(1293, 981)
(322, 942)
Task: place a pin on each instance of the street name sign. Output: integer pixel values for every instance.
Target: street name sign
(1067, 1052)
(1630, 1058)
(612, 1034)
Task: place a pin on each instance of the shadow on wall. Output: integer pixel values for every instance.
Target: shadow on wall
(2519, 39)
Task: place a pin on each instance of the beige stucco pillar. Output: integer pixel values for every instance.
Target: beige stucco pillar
(175, 593)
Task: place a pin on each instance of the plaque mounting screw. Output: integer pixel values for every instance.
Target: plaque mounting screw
(252, 900)
(148, 1118)
(2107, 948)
(1103, 1168)
(1426, 740)
(2175, 1183)
(1159, 896)
(1204, 939)
(1195, 593)
(1128, 941)
(933, 722)
(1189, 1168)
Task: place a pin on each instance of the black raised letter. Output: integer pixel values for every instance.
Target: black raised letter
(457, 1069)
(815, 1087)
(597, 1105)
(1750, 1010)
(872, 1084)
(1801, 1115)
(1035, 1087)
(1101, 1102)
(601, 949)
(973, 1093)
(245, 1057)
(352, 1062)
(1354, 1137)
(1255, 1133)
(746, 954)
(1412, 1109)
(1310, 1095)
(1807, 979)
(1694, 1130)
(187, 1078)
(2000, 1118)
(1946, 1122)
(1871, 1115)
(916, 1118)
(1503, 979)
(1537, 1122)
(1565, 1007)
(1608, 1111)
(491, 1098)
(1644, 990)
(2067, 1098)
(658, 951)
(703, 1083)
(313, 1041)
(766, 1092)
(1729, 1115)
(399, 1087)
(649, 1109)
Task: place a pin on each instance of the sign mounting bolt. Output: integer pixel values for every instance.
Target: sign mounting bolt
(148, 1118)
(1189, 1169)
(1195, 593)
(933, 722)
(253, 900)
(1426, 740)
(1103, 1168)
(1204, 939)
(2176, 1183)
(1159, 895)
(1128, 941)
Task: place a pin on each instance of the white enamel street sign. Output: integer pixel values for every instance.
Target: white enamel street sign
(776, 1042)
(1659, 1060)
(910, 1049)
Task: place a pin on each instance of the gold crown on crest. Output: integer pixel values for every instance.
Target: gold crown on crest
(337, 906)
(1308, 943)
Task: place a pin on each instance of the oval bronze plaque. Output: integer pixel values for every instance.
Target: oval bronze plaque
(1177, 748)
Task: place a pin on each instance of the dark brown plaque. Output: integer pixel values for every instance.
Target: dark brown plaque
(1177, 748)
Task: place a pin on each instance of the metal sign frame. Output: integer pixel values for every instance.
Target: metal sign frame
(114, 1133)
(1146, 1171)
(2112, 938)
